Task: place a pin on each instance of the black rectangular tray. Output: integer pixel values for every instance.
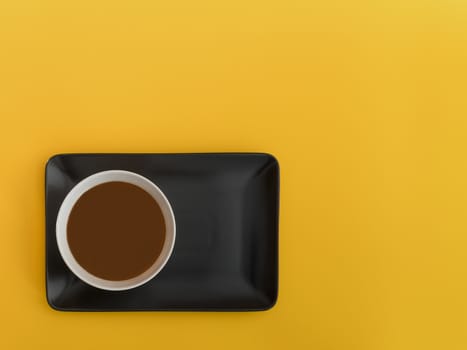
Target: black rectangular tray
(226, 251)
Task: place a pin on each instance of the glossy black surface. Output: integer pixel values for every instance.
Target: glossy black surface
(226, 251)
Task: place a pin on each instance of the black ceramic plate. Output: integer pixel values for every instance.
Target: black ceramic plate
(225, 254)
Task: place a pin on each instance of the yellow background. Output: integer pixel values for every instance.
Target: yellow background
(363, 103)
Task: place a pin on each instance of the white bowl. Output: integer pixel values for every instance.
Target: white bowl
(87, 184)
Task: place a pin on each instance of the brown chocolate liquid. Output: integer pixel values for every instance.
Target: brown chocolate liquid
(116, 231)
